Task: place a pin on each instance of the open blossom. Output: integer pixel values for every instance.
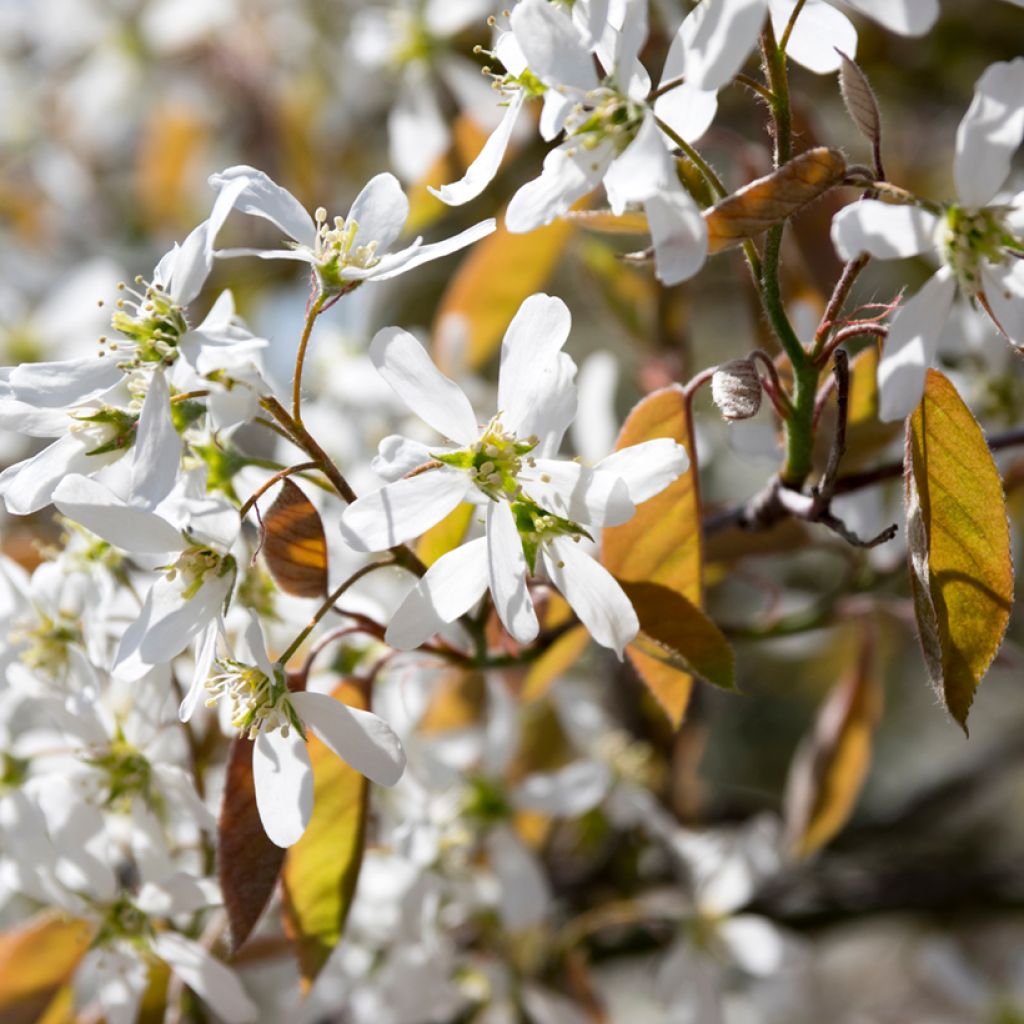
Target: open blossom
(979, 241)
(611, 135)
(345, 251)
(536, 507)
(277, 720)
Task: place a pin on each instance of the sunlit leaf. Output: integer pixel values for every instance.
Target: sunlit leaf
(662, 542)
(36, 959)
(675, 630)
(322, 868)
(632, 222)
(554, 662)
(169, 151)
(773, 198)
(961, 569)
(491, 282)
(457, 701)
(295, 545)
(446, 535)
(248, 862)
(829, 768)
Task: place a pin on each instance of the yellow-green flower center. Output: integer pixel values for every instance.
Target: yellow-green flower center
(973, 237)
(258, 702)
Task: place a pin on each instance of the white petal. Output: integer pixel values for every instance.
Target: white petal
(28, 486)
(262, 197)
(990, 133)
(647, 468)
(819, 32)
(576, 492)
(414, 256)
(754, 943)
(714, 41)
(642, 169)
(418, 135)
(570, 172)
(555, 108)
(216, 984)
(251, 648)
(884, 230)
(507, 570)
(533, 339)
(907, 17)
(121, 981)
(482, 170)
(358, 737)
(450, 588)
(525, 894)
(687, 110)
(398, 455)
(596, 425)
(156, 454)
(403, 510)
(552, 45)
(380, 210)
(679, 234)
(403, 362)
(97, 508)
(206, 650)
(593, 592)
(910, 346)
(1004, 292)
(65, 383)
(283, 777)
(567, 793)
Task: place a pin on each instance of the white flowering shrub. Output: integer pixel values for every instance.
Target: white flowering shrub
(359, 672)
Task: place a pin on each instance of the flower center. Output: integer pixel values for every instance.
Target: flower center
(46, 644)
(972, 237)
(106, 429)
(605, 116)
(494, 461)
(195, 564)
(127, 770)
(536, 526)
(151, 321)
(336, 250)
(258, 703)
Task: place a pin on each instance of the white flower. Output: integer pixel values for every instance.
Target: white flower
(980, 242)
(348, 250)
(536, 507)
(276, 719)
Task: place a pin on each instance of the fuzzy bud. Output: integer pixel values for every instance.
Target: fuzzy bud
(736, 389)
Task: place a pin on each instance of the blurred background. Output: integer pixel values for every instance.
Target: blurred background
(114, 112)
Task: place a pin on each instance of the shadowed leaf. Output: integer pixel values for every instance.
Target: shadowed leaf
(859, 98)
(662, 542)
(322, 868)
(830, 766)
(294, 544)
(958, 536)
(248, 862)
(773, 198)
(36, 958)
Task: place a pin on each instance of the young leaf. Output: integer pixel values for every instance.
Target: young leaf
(36, 958)
(489, 286)
(295, 545)
(831, 764)
(961, 569)
(662, 542)
(445, 535)
(677, 630)
(322, 868)
(773, 198)
(248, 862)
(859, 98)
(632, 222)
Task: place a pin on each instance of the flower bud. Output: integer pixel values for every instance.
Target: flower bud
(736, 389)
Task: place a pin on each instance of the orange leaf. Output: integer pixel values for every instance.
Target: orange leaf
(662, 542)
(295, 545)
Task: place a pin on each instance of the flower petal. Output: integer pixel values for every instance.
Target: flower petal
(416, 255)
(262, 197)
(28, 486)
(251, 647)
(283, 777)
(380, 211)
(576, 492)
(552, 45)
(567, 793)
(97, 508)
(507, 570)
(525, 894)
(883, 230)
(57, 385)
(819, 32)
(397, 455)
(484, 167)
(687, 110)
(647, 468)
(714, 41)
(640, 171)
(156, 454)
(593, 592)
(907, 17)
(990, 133)
(679, 234)
(358, 737)
(403, 362)
(1004, 292)
(418, 135)
(403, 510)
(910, 346)
(206, 651)
(450, 588)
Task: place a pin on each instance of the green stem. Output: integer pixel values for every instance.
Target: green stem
(300, 356)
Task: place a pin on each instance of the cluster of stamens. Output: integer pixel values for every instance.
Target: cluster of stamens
(336, 249)
(258, 703)
(105, 429)
(150, 320)
(605, 115)
(495, 460)
(127, 771)
(194, 565)
(972, 237)
(46, 644)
